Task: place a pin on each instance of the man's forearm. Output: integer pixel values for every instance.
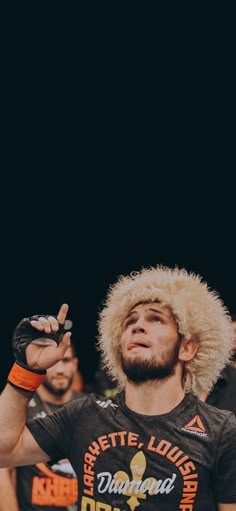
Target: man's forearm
(17, 444)
(8, 497)
(13, 406)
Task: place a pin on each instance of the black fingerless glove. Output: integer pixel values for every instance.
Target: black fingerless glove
(25, 333)
(22, 377)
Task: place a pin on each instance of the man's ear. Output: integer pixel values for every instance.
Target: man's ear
(188, 349)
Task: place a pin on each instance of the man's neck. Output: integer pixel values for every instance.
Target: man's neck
(49, 397)
(153, 397)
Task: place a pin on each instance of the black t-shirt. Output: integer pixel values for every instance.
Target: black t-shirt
(182, 460)
(45, 487)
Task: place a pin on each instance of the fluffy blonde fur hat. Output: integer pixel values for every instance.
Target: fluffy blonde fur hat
(198, 311)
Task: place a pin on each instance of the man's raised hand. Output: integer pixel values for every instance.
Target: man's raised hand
(51, 342)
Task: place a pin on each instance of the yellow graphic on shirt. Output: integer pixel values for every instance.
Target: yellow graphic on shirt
(133, 484)
(137, 468)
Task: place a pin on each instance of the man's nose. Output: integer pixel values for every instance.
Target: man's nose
(138, 327)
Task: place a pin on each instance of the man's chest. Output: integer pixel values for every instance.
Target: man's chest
(131, 467)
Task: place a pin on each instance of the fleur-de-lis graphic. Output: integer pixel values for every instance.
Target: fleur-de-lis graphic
(137, 468)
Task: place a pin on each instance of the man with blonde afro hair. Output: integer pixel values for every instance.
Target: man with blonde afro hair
(164, 336)
(199, 313)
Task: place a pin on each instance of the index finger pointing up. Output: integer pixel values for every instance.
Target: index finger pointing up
(62, 313)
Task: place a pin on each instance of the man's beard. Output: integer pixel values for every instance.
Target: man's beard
(57, 391)
(140, 371)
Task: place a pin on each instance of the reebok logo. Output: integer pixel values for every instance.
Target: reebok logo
(195, 426)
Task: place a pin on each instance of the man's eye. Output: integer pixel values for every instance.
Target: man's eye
(129, 322)
(157, 318)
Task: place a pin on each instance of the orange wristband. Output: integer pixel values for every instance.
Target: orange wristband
(25, 378)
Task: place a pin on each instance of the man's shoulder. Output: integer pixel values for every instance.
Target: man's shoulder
(77, 395)
(215, 414)
(209, 422)
(89, 403)
(93, 397)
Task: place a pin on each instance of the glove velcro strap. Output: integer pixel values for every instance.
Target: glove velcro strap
(25, 378)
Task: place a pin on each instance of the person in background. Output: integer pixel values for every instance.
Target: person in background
(78, 381)
(223, 393)
(104, 384)
(43, 486)
(154, 446)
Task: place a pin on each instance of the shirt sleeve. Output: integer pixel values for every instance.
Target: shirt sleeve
(54, 433)
(225, 471)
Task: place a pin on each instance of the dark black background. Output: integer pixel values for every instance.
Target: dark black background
(117, 152)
